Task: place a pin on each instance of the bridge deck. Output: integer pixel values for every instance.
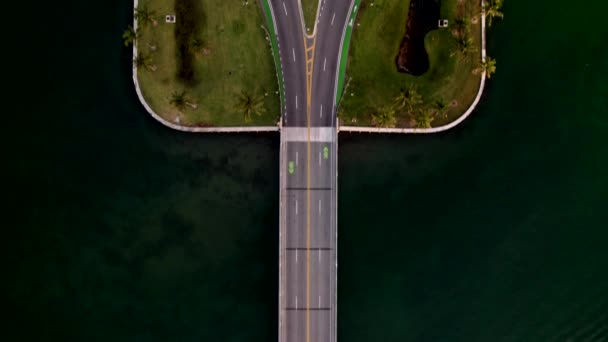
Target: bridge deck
(308, 235)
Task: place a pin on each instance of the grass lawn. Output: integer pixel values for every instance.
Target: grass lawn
(372, 78)
(235, 58)
(309, 9)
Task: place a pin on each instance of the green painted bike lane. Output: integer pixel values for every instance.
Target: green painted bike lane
(344, 53)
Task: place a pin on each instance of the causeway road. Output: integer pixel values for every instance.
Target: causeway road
(308, 185)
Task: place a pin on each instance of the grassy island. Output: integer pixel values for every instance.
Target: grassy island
(377, 94)
(212, 67)
(412, 63)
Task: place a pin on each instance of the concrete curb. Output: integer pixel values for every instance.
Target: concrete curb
(182, 128)
(452, 124)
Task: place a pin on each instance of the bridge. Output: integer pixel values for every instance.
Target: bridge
(309, 75)
(308, 162)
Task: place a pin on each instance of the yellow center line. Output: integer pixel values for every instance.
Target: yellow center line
(309, 67)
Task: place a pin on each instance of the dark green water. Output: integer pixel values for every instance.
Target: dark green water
(120, 230)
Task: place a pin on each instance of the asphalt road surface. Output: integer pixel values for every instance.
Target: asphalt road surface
(308, 212)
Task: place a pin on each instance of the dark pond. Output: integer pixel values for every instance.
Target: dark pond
(422, 18)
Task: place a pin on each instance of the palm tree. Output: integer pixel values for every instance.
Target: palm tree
(464, 46)
(195, 45)
(250, 105)
(462, 24)
(144, 61)
(408, 98)
(424, 118)
(145, 16)
(130, 36)
(441, 108)
(489, 66)
(492, 8)
(385, 117)
(180, 100)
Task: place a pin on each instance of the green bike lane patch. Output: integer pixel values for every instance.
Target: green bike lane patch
(344, 53)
